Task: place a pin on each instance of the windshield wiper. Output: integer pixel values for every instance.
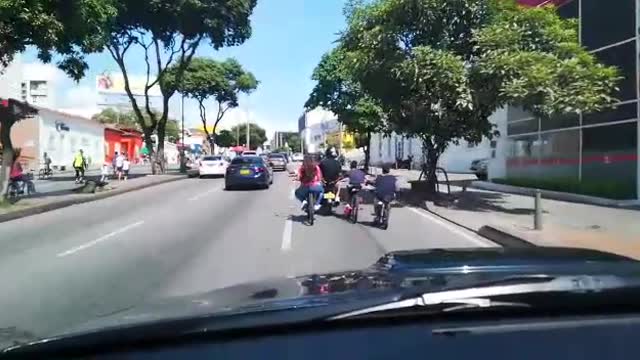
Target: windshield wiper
(482, 295)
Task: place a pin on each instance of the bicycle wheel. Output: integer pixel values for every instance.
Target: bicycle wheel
(310, 204)
(12, 191)
(353, 216)
(386, 209)
(42, 174)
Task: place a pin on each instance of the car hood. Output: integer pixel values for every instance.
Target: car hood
(396, 271)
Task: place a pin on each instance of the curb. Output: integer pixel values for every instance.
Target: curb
(65, 203)
(556, 195)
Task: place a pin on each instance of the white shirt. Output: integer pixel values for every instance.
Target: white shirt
(125, 165)
(119, 160)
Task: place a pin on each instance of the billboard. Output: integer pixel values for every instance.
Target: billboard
(108, 83)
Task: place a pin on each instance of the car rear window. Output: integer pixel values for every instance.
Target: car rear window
(276, 156)
(246, 160)
(212, 158)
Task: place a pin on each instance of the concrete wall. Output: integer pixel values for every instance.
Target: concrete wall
(10, 79)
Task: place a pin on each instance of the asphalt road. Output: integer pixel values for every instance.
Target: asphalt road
(62, 268)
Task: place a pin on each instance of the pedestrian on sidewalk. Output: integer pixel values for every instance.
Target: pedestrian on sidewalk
(119, 163)
(79, 165)
(104, 171)
(126, 164)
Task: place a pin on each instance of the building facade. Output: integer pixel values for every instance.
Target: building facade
(599, 148)
(60, 135)
(318, 128)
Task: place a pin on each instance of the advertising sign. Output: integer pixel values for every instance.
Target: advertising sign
(108, 83)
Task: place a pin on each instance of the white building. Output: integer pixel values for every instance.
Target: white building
(457, 158)
(60, 135)
(11, 79)
(316, 127)
(38, 84)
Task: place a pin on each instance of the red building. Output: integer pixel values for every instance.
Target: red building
(122, 140)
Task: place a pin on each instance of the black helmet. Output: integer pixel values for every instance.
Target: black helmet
(331, 152)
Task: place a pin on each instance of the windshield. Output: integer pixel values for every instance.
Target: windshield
(211, 158)
(473, 138)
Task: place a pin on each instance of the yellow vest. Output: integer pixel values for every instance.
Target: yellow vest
(78, 161)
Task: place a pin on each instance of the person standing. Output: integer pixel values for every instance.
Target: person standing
(119, 164)
(113, 164)
(126, 164)
(104, 171)
(47, 164)
(79, 164)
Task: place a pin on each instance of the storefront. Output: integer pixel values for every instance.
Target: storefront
(122, 140)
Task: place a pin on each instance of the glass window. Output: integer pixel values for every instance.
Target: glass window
(245, 160)
(560, 154)
(212, 158)
(610, 158)
(569, 10)
(560, 121)
(619, 112)
(276, 156)
(522, 160)
(623, 57)
(522, 127)
(517, 113)
(607, 22)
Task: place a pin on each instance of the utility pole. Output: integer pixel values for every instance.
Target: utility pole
(183, 165)
(248, 130)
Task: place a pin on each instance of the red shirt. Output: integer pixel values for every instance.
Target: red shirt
(16, 169)
(317, 180)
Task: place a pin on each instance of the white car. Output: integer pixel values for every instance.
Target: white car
(297, 157)
(212, 165)
(249, 153)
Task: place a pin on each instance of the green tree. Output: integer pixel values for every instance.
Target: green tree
(113, 116)
(439, 70)
(67, 28)
(173, 130)
(168, 33)
(207, 79)
(338, 90)
(225, 139)
(257, 135)
(293, 140)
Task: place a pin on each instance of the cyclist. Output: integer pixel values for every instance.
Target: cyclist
(47, 164)
(386, 187)
(357, 177)
(310, 177)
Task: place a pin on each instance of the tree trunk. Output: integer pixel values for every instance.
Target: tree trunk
(7, 157)
(149, 145)
(367, 152)
(212, 144)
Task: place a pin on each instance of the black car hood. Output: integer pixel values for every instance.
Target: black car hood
(433, 269)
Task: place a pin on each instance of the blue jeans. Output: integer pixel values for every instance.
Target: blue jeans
(303, 191)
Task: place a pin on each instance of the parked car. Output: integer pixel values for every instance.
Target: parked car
(248, 171)
(277, 161)
(297, 157)
(249, 153)
(479, 167)
(212, 165)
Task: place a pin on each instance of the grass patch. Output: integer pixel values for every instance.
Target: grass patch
(617, 190)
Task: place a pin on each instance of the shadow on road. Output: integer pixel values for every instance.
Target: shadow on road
(468, 201)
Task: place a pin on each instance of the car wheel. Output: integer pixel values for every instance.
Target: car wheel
(227, 187)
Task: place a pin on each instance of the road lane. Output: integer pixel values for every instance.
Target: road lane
(180, 238)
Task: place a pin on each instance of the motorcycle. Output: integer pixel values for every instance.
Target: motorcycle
(330, 198)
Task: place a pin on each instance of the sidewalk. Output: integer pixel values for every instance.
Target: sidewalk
(64, 194)
(564, 223)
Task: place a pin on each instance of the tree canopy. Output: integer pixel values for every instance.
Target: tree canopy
(69, 28)
(168, 32)
(204, 78)
(257, 135)
(225, 139)
(438, 70)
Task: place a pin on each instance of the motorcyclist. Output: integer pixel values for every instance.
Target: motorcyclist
(386, 187)
(331, 170)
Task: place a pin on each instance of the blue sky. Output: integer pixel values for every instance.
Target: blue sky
(289, 37)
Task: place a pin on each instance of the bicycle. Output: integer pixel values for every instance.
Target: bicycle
(310, 207)
(383, 209)
(355, 204)
(17, 188)
(45, 173)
